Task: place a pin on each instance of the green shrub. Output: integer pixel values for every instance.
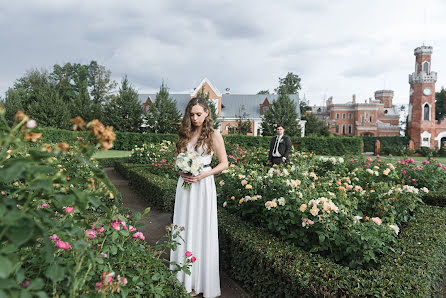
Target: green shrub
(329, 145)
(389, 145)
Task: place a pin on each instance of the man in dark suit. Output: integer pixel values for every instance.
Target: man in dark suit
(280, 147)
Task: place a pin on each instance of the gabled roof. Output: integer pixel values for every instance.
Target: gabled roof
(181, 99)
(205, 80)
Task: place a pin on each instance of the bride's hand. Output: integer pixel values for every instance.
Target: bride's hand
(193, 179)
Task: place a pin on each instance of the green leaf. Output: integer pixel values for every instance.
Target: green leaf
(55, 272)
(6, 267)
(147, 210)
(25, 294)
(114, 250)
(99, 260)
(7, 284)
(115, 236)
(124, 233)
(80, 245)
(41, 184)
(2, 209)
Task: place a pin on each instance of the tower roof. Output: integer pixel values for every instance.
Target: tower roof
(423, 50)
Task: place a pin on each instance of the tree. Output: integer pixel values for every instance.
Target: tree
(243, 124)
(314, 125)
(440, 104)
(283, 111)
(124, 111)
(289, 84)
(81, 105)
(212, 107)
(37, 95)
(263, 92)
(163, 115)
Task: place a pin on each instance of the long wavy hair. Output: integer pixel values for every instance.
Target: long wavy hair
(186, 129)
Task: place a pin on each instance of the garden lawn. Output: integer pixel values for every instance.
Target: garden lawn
(111, 154)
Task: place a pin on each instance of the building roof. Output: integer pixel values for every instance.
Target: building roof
(231, 103)
(251, 102)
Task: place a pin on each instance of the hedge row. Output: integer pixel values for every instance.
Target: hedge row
(270, 267)
(126, 141)
(388, 145)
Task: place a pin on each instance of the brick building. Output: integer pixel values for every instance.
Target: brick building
(229, 106)
(424, 130)
(378, 117)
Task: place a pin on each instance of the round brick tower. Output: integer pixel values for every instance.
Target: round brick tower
(422, 99)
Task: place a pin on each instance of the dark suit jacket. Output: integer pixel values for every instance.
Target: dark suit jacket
(284, 147)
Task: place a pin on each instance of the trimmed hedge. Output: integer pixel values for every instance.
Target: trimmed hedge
(110, 162)
(436, 198)
(337, 145)
(389, 145)
(270, 267)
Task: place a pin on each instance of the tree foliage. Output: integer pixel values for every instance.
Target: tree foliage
(243, 124)
(440, 104)
(314, 125)
(263, 92)
(163, 115)
(212, 107)
(283, 110)
(124, 111)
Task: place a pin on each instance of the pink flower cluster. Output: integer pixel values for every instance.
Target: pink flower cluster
(116, 224)
(139, 235)
(189, 255)
(93, 232)
(59, 243)
(107, 283)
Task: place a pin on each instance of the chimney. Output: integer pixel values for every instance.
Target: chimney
(228, 91)
(354, 99)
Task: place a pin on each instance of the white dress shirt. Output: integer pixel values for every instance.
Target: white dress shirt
(276, 147)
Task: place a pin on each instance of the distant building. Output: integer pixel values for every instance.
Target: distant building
(378, 117)
(423, 129)
(229, 106)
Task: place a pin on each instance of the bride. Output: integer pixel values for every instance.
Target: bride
(196, 208)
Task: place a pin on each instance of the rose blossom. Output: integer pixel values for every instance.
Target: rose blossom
(193, 259)
(377, 220)
(63, 245)
(54, 237)
(69, 209)
(139, 235)
(188, 253)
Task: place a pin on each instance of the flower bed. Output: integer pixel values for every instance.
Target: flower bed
(267, 266)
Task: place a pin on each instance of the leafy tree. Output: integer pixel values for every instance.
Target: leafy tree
(82, 105)
(124, 111)
(289, 84)
(283, 111)
(37, 94)
(243, 124)
(212, 107)
(263, 92)
(100, 84)
(440, 104)
(163, 115)
(314, 125)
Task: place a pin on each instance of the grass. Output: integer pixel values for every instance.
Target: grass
(111, 154)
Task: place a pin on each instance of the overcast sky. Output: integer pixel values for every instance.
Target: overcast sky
(338, 48)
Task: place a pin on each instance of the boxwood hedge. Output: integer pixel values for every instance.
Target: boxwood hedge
(269, 267)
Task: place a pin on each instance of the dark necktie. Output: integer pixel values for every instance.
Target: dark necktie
(276, 145)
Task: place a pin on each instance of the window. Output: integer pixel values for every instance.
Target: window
(337, 128)
(343, 115)
(426, 112)
(350, 129)
(319, 110)
(343, 129)
(350, 115)
(371, 118)
(426, 67)
(265, 109)
(337, 115)
(362, 118)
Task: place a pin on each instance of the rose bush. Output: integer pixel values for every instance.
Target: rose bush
(61, 231)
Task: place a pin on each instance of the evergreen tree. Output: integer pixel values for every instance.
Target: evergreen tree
(283, 110)
(124, 111)
(82, 105)
(440, 104)
(263, 92)
(243, 124)
(314, 125)
(163, 115)
(212, 107)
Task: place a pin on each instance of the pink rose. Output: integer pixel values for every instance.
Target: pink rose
(54, 237)
(90, 233)
(193, 259)
(69, 209)
(116, 225)
(25, 283)
(188, 253)
(139, 235)
(63, 245)
(377, 220)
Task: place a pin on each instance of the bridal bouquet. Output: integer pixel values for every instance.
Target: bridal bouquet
(189, 163)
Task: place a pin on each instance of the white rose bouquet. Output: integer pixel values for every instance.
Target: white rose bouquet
(189, 163)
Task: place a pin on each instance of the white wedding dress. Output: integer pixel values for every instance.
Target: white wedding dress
(196, 211)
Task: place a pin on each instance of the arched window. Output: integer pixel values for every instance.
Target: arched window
(337, 128)
(426, 112)
(343, 129)
(426, 67)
